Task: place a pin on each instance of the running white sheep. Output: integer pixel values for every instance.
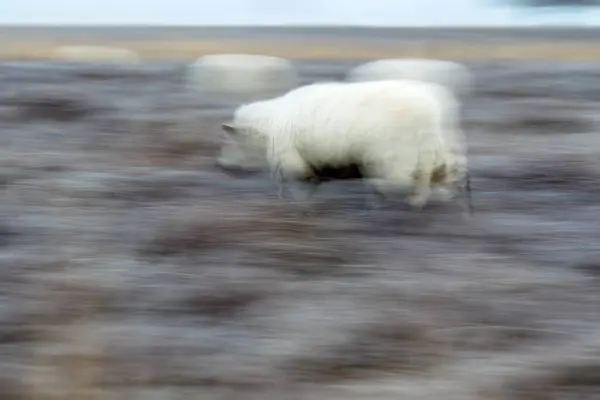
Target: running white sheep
(451, 75)
(398, 134)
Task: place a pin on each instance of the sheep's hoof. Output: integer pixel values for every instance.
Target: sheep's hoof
(280, 194)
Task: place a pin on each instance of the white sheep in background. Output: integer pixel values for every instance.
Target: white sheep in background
(96, 54)
(242, 73)
(397, 134)
(453, 76)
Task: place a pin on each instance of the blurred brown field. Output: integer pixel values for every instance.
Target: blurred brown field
(328, 49)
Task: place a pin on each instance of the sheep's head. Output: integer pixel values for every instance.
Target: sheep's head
(243, 150)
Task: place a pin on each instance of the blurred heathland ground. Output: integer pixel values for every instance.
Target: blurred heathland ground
(130, 268)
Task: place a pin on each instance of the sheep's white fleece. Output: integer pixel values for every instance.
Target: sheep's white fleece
(398, 131)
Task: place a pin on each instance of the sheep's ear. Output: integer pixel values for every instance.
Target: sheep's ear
(228, 129)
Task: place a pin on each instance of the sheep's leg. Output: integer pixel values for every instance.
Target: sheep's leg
(420, 192)
(279, 180)
(464, 187)
(445, 194)
(387, 177)
(303, 192)
(374, 199)
(405, 174)
(422, 177)
(289, 167)
(456, 181)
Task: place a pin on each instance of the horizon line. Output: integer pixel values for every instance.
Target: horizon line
(291, 25)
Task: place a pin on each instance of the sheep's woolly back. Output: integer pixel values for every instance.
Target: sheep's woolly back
(454, 76)
(274, 115)
(333, 122)
(241, 73)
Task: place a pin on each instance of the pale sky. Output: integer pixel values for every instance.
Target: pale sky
(273, 12)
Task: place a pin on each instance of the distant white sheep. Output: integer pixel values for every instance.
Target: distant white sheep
(398, 134)
(242, 73)
(96, 54)
(453, 76)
